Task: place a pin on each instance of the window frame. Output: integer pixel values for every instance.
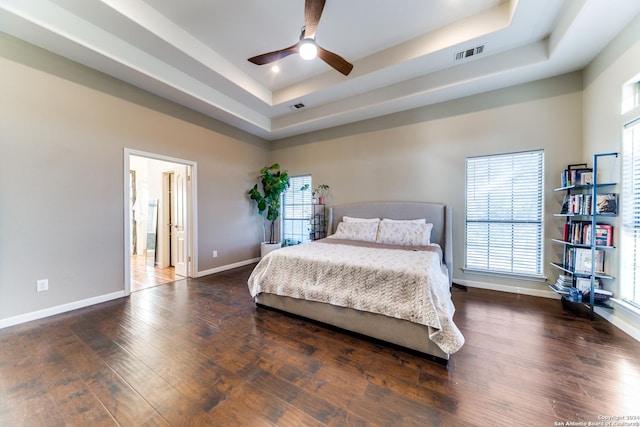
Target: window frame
(302, 200)
(629, 284)
(476, 219)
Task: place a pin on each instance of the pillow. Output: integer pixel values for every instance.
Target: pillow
(404, 233)
(355, 219)
(365, 231)
(408, 221)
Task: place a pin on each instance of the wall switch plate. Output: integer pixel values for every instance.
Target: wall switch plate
(215, 254)
(42, 285)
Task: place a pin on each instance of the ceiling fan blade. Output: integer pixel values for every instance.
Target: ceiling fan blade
(312, 13)
(336, 61)
(267, 58)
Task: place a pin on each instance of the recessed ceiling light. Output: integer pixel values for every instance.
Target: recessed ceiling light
(275, 69)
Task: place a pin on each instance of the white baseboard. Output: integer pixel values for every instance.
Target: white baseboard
(225, 267)
(40, 314)
(35, 315)
(506, 288)
(630, 324)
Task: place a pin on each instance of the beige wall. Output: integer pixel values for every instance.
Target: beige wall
(63, 131)
(420, 155)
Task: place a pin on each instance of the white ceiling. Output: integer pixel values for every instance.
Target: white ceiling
(195, 52)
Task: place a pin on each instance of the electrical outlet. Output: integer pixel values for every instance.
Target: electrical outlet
(42, 285)
(215, 254)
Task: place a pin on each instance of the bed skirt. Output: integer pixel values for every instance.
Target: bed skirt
(396, 331)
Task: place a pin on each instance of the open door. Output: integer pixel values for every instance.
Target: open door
(178, 181)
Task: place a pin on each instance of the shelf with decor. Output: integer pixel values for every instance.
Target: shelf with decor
(318, 222)
(586, 238)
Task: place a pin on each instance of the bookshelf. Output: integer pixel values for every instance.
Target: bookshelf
(318, 222)
(586, 237)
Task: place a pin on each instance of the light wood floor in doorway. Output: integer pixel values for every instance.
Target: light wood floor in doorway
(145, 276)
(198, 352)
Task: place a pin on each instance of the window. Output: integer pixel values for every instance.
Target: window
(630, 235)
(504, 213)
(296, 211)
(630, 95)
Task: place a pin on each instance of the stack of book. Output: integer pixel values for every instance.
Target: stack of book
(599, 295)
(563, 285)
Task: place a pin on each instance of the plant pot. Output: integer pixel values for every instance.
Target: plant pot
(321, 200)
(266, 247)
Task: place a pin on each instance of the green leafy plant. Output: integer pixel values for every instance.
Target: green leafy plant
(274, 182)
(321, 190)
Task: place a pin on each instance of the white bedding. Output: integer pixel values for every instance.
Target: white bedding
(406, 284)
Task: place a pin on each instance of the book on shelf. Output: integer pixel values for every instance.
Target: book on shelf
(560, 289)
(563, 285)
(577, 204)
(607, 203)
(599, 295)
(585, 177)
(571, 176)
(576, 232)
(579, 233)
(603, 237)
(569, 258)
(565, 204)
(598, 291)
(584, 261)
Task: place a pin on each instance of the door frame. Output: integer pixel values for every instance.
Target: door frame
(192, 246)
(169, 190)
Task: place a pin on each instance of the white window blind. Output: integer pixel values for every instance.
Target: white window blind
(296, 211)
(630, 247)
(504, 213)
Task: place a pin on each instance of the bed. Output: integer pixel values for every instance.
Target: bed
(383, 288)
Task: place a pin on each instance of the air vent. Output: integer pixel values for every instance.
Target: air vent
(469, 52)
(297, 106)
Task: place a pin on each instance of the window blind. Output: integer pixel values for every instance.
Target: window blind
(504, 213)
(296, 211)
(630, 247)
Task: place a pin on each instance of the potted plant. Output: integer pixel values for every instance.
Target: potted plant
(274, 182)
(319, 193)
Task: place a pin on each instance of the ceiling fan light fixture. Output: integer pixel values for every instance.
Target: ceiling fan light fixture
(308, 49)
(306, 46)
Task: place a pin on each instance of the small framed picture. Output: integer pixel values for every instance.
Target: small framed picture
(583, 284)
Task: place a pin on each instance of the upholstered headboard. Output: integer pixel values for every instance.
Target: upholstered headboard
(436, 213)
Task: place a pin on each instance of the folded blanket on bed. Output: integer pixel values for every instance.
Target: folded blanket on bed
(403, 282)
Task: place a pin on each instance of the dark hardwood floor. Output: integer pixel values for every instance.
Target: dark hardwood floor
(198, 352)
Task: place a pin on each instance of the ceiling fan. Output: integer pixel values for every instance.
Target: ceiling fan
(307, 46)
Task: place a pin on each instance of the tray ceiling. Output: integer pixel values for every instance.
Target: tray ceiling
(406, 54)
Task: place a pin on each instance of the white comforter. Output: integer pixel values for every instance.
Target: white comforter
(406, 284)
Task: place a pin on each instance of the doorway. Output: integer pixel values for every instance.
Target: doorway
(174, 190)
(159, 220)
